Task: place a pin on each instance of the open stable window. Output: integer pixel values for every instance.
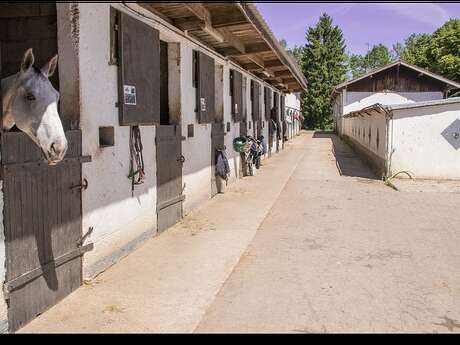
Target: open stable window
(275, 104)
(236, 93)
(283, 109)
(204, 82)
(164, 81)
(267, 102)
(255, 100)
(113, 58)
(138, 72)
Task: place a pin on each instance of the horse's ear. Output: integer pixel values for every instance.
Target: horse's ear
(50, 67)
(27, 60)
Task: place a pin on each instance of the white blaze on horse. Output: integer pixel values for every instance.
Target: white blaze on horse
(30, 103)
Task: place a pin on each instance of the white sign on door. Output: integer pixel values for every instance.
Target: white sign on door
(129, 94)
(203, 104)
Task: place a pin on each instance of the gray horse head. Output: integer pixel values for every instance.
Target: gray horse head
(30, 103)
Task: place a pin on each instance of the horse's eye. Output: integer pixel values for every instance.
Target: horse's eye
(30, 97)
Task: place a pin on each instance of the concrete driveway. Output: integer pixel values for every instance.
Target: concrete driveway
(344, 253)
(312, 244)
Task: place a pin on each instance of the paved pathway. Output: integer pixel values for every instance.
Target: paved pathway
(312, 244)
(344, 253)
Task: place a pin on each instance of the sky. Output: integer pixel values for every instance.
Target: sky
(361, 23)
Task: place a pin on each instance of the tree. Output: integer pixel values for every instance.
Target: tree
(378, 56)
(323, 62)
(356, 65)
(444, 50)
(396, 51)
(297, 53)
(415, 50)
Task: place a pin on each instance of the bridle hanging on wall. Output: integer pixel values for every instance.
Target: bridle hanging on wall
(136, 157)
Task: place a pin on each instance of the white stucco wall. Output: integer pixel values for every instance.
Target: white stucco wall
(117, 217)
(418, 144)
(355, 127)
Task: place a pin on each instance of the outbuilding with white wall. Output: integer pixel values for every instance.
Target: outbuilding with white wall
(420, 138)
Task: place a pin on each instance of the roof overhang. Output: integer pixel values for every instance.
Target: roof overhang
(237, 31)
(387, 110)
(375, 109)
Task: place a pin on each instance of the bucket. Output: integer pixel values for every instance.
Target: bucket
(239, 144)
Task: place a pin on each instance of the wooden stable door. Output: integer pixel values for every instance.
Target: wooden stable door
(43, 229)
(169, 175)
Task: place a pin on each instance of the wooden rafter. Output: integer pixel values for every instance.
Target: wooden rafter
(257, 48)
(289, 80)
(228, 20)
(232, 40)
(150, 8)
(283, 73)
(256, 59)
(273, 63)
(199, 11)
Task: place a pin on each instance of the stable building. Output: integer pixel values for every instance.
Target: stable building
(178, 80)
(399, 120)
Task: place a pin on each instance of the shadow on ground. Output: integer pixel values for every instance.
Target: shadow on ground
(347, 161)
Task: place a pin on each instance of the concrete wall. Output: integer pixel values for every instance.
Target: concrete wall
(418, 145)
(109, 191)
(368, 136)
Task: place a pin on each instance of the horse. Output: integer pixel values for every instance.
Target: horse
(30, 103)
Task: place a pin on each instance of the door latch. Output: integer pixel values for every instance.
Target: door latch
(181, 159)
(82, 186)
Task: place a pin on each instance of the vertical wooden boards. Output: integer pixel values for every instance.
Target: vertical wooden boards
(42, 220)
(236, 85)
(169, 175)
(205, 74)
(139, 72)
(267, 102)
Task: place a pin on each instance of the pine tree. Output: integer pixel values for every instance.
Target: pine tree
(323, 63)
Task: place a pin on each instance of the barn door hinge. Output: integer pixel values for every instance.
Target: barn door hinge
(83, 238)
